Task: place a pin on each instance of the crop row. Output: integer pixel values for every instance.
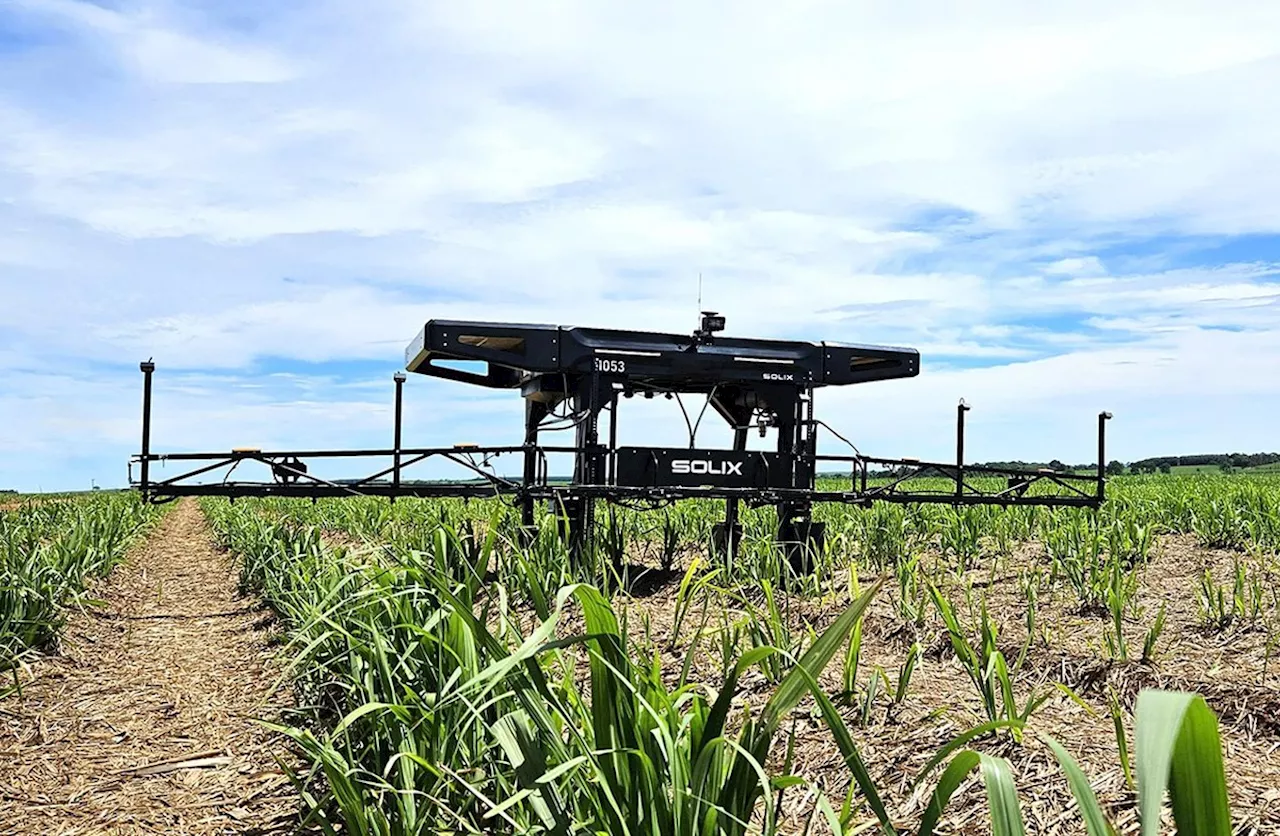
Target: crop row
(1092, 557)
(50, 552)
(456, 681)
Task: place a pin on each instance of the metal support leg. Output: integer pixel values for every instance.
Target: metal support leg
(1103, 417)
(961, 409)
(798, 534)
(395, 474)
(534, 412)
(795, 530)
(147, 368)
(725, 537)
(581, 510)
(588, 469)
(610, 473)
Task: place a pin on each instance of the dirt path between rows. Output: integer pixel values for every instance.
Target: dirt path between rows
(144, 722)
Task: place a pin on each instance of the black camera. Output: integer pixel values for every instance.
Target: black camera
(711, 323)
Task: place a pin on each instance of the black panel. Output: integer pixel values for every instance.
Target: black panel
(681, 467)
(648, 359)
(507, 348)
(861, 364)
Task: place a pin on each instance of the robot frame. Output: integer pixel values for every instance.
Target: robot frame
(570, 377)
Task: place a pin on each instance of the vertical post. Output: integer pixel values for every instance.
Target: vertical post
(587, 468)
(534, 412)
(795, 527)
(612, 475)
(147, 368)
(1103, 417)
(732, 529)
(593, 438)
(399, 378)
(961, 409)
(809, 433)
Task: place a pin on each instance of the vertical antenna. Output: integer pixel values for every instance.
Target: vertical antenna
(699, 291)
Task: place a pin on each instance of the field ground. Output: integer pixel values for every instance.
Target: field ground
(11, 501)
(1227, 668)
(142, 723)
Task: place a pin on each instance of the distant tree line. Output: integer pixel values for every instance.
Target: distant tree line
(1053, 465)
(1224, 461)
(1159, 464)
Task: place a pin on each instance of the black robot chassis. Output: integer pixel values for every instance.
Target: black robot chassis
(570, 377)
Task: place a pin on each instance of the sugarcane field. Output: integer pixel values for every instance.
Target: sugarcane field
(413, 667)
(600, 419)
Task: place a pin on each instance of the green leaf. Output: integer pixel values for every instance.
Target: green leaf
(960, 740)
(1177, 747)
(367, 708)
(1094, 820)
(815, 659)
(852, 757)
(1002, 797)
(952, 777)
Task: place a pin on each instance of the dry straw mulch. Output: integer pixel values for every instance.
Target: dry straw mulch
(143, 722)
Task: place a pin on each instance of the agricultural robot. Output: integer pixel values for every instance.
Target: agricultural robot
(576, 377)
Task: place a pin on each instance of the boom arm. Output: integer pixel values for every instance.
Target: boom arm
(768, 384)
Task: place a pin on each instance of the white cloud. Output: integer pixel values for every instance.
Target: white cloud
(1086, 266)
(220, 184)
(1103, 117)
(160, 53)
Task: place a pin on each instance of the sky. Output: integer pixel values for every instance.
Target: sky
(1065, 210)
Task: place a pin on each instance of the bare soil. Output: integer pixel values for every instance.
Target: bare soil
(144, 721)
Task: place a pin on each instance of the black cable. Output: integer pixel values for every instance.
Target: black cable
(830, 429)
(555, 428)
(694, 431)
(691, 426)
(687, 423)
(572, 419)
(640, 504)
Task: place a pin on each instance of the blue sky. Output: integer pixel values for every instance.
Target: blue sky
(1065, 211)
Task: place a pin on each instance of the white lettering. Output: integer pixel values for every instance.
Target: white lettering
(702, 467)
